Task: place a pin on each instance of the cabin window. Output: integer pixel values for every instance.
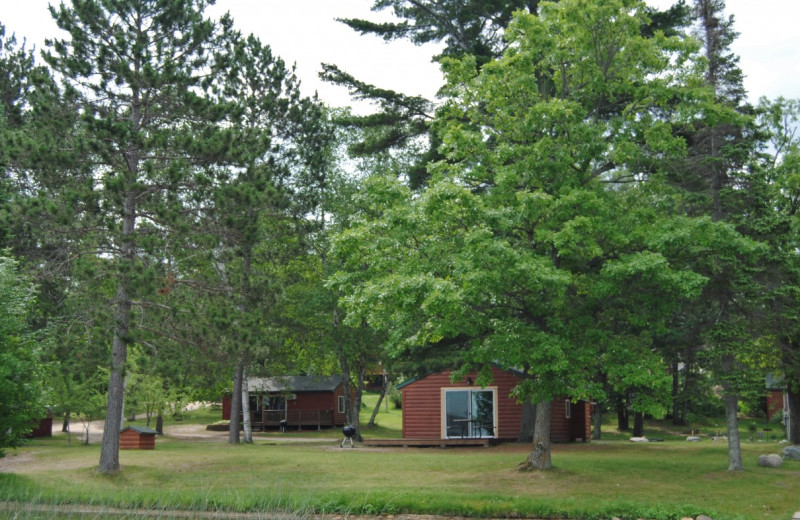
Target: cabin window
(568, 409)
(341, 404)
(469, 412)
(275, 402)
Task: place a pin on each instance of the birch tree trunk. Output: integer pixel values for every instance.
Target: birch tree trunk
(248, 430)
(384, 389)
(793, 405)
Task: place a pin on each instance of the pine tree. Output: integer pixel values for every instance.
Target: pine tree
(138, 69)
(714, 181)
(401, 126)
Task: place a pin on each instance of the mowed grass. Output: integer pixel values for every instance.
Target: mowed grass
(308, 472)
(602, 479)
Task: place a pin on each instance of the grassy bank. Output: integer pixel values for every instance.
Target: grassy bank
(308, 472)
(595, 480)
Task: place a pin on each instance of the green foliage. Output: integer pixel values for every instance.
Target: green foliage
(151, 125)
(518, 252)
(21, 392)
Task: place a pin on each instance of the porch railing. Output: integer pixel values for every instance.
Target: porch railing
(294, 418)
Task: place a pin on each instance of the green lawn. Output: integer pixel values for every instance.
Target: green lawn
(665, 480)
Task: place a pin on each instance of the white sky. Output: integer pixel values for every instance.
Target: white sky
(305, 32)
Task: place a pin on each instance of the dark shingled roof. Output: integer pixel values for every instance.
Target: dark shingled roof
(139, 429)
(294, 384)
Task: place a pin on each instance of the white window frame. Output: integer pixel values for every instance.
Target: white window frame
(443, 406)
(341, 404)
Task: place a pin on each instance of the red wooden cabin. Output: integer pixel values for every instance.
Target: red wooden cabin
(778, 401)
(301, 401)
(137, 438)
(434, 407)
(43, 427)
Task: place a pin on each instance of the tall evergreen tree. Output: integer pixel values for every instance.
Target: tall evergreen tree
(402, 123)
(138, 69)
(716, 179)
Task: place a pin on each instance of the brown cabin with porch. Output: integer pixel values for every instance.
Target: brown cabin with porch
(434, 407)
(300, 401)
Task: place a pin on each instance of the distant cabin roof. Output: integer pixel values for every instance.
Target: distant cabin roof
(294, 383)
(139, 429)
(775, 382)
(516, 372)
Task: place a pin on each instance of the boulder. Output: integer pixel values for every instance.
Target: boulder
(693, 438)
(639, 439)
(770, 461)
(792, 452)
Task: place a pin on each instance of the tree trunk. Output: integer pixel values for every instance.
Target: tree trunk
(597, 422)
(356, 411)
(684, 410)
(638, 424)
(109, 449)
(539, 457)
(793, 401)
(676, 402)
(528, 422)
(248, 429)
(732, 422)
(348, 390)
(160, 422)
(236, 404)
(384, 389)
(622, 416)
(65, 424)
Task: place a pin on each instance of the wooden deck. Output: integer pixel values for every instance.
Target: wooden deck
(295, 419)
(427, 443)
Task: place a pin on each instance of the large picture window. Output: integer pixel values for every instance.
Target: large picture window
(469, 412)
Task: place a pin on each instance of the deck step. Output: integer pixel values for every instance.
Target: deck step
(420, 443)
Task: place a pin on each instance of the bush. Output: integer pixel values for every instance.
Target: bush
(396, 398)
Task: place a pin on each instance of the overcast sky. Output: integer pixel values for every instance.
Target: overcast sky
(305, 32)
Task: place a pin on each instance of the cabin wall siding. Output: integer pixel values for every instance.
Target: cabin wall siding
(304, 401)
(774, 403)
(133, 440)
(422, 409)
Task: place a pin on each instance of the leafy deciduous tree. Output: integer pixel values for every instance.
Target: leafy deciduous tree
(21, 391)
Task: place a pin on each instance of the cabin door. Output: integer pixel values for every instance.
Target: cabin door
(469, 413)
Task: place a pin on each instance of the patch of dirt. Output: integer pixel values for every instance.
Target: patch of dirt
(14, 460)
